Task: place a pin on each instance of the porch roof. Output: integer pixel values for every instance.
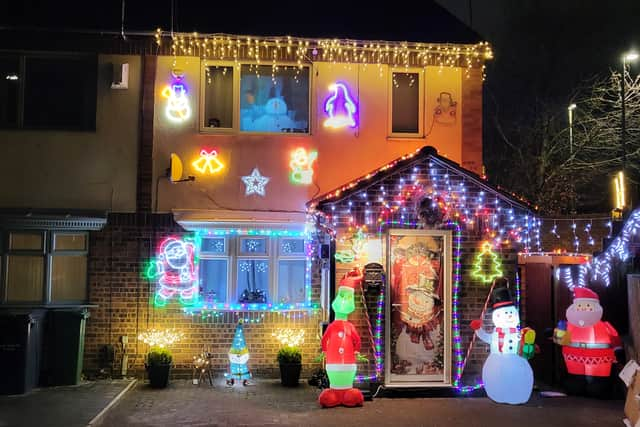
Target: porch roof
(405, 162)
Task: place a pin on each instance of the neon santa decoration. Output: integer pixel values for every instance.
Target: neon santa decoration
(208, 162)
(178, 109)
(340, 108)
(301, 165)
(175, 271)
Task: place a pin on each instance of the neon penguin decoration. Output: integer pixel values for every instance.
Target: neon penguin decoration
(178, 109)
(301, 165)
(208, 162)
(340, 108)
(175, 271)
(341, 348)
(506, 373)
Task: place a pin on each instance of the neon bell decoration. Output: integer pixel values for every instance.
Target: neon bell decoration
(178, 109)
(340, 108)
(175, 271)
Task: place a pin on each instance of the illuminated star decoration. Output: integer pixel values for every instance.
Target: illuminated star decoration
(255, 183)
(208, 162)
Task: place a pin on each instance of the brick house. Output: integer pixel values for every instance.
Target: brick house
(264, 125)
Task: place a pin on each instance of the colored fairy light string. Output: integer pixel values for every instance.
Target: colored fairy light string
(518, 292)
(375, 335)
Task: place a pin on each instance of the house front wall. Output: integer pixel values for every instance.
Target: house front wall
(76, 169)
(343, 154)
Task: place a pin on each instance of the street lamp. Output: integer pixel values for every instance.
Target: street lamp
(570, 109)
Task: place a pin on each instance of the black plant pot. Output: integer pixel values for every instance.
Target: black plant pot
(159, 375)
(290, 374)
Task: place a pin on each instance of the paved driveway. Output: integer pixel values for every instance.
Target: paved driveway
(269, 404)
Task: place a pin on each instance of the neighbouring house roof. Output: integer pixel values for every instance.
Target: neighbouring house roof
(406, 162)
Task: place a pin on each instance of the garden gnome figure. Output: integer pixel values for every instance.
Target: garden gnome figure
(341, 345)
(588, 345)
(238, 359)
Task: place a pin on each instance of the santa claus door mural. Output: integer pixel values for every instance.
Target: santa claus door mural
(418, 320)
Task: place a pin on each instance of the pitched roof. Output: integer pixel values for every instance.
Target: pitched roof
(408, 161)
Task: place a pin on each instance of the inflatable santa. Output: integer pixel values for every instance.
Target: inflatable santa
(588, 344)
(341, 345)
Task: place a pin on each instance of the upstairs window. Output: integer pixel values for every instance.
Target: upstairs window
(48, 92)
(255, 98)
(406, 103)
(218, 97)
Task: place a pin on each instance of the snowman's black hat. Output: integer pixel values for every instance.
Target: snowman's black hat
(501, 297)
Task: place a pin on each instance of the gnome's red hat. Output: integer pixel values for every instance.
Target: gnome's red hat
(351, 279)
(585, 293)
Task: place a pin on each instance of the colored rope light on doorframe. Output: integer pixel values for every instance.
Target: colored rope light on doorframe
(337, 121)
(459, 357)
(376, 333)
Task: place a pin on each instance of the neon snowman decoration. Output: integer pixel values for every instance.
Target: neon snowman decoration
(506, 373)
(178, 109)
(301, 165)
(340, 108)
(175, 271)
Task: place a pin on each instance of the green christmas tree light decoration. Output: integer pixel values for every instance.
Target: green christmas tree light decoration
(479, 272)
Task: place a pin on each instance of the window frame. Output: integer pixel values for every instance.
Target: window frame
(215, 256)
(421, 102)
(47, 253)
(235, 121)
(273, 257)
(237, 74)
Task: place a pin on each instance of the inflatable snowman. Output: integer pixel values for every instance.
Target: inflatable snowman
(506, 373)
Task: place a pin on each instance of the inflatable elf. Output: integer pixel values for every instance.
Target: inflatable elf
(341, 347)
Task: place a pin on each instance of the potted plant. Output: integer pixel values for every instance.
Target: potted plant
(158, 365)
(290, 360)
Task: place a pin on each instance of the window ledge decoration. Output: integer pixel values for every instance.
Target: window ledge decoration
(175, 269)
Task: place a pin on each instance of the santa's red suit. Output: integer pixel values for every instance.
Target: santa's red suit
(590, 350)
